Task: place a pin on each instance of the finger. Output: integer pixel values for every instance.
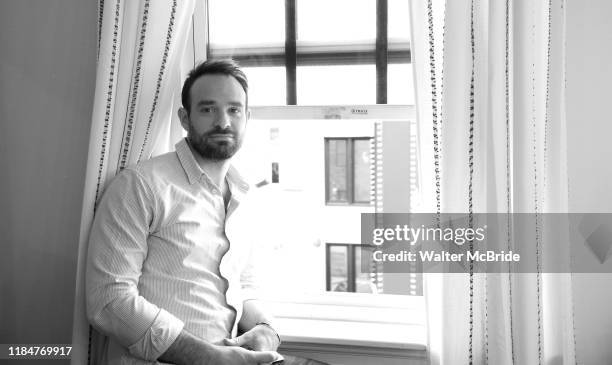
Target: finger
(264, 356)
(238, 341)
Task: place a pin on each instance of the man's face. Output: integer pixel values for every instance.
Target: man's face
(217, 120)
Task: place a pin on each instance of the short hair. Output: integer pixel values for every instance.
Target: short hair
(227, 67)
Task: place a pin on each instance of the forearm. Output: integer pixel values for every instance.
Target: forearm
(143, 328)
(188, 349)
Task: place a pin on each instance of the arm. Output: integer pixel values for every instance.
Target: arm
(257, 337)
(117, 250)
(253, 308)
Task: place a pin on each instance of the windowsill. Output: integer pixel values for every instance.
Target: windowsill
(352, 320)
(358, 334)
(355, 204)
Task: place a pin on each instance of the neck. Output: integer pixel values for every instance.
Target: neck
(216, 170)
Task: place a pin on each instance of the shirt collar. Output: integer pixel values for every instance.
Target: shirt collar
(195, 173)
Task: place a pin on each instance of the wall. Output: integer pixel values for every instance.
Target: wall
(589, 79)
(47, 68)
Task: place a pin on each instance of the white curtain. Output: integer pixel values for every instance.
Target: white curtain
(490, 79)
(140, 57)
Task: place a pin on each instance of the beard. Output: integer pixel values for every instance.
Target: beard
(211, 149)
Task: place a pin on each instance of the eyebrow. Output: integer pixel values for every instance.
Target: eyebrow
(211, 102)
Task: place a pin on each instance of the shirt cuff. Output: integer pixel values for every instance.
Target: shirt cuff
(158, 338)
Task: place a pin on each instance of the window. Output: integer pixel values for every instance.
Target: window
(332, 126)
(316, 52)
(344, 270)
(347, 174)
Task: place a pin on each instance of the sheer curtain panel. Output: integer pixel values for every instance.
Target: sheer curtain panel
(140, 55)
(490, 80)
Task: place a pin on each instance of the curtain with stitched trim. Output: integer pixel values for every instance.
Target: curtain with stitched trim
(490, 80)
(141, 45)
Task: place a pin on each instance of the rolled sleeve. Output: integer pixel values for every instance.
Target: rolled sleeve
(117, 250)
(158, 337)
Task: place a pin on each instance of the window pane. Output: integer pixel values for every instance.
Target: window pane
(240, 22)
(298, 250)
(361, 170)
(338, 268)
(400, 87)
(336, 20)
(399, 19)
(325, 85)
(363, 281)
(267, 85)
(337, 172)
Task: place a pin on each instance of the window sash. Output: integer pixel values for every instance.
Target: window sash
(313, 54)
(382, 52)
(318, 53)
(345, 112)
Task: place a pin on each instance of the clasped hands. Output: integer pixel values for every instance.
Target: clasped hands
(259, 343)
(258, 338)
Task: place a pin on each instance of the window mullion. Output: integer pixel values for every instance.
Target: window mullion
(350, 176)
(381, 50)
(327, 267)
(200, 31)
(352, 278)
(291, 51)
(327, 174)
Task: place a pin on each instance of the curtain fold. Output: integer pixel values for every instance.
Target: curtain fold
(490, 80)
(138, 79)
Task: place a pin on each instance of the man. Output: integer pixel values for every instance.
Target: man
(169, 270)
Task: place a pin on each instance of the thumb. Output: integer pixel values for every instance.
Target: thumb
(238, 341)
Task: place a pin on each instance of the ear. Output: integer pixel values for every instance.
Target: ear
(184, 118)
(248, 114)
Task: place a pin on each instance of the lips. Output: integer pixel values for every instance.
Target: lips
(221, 135)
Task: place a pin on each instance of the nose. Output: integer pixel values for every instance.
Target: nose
(223, 120)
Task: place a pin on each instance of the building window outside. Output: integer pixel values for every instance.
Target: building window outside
(347, 175)
(344, 270)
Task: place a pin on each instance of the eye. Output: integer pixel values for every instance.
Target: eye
(235, 110)
(207, 109)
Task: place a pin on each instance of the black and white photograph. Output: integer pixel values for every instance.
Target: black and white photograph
(305, 182)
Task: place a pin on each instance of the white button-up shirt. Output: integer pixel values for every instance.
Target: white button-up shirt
(164, 254)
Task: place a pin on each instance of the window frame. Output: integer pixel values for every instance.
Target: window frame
(406, 313)
(294, 314)
(352, 265)
(296, 53)
(350, 171)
